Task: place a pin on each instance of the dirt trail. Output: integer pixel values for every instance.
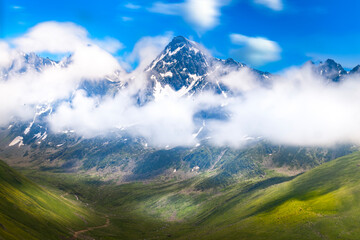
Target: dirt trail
(77, 233)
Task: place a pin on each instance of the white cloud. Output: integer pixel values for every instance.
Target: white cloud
(158, 122)
(202, 14)
(22, 91)
(239, 80)
(276, 5)
(53, 37)
(147, 49)
(109, 44)
(255, 50)
(143, 53)
(132, 6)
(57, 37)
(6, 55)
(298, 107)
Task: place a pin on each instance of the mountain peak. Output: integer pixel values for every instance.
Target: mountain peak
(182, 44)
(185, 65)
(180, 64)
(331, 61)
(231, 62)
(355, 70)
(330, 70)
(179, 39)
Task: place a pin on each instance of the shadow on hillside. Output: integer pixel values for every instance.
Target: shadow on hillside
(229, 203)
(302, 192)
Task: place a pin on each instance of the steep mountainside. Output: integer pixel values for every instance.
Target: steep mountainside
(28, 211)
(184, 68)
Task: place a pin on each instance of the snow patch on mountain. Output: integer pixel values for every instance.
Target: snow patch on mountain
(17, 140)
(167, 74)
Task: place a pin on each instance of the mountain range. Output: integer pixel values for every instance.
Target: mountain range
(182, 69)
(62, 185)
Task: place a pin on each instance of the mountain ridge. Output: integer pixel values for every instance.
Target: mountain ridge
(33, 143)
(187, 68)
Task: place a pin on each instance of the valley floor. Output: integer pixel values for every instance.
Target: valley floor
(319, 204)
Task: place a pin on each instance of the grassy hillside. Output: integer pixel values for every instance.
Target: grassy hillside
(28, 211)
(319, 204)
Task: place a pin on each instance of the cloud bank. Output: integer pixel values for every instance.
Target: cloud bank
(22, 90)
(297, 107)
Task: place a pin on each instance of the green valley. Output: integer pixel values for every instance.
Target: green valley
(318, 204)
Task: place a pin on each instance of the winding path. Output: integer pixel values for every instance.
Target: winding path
(77, 233)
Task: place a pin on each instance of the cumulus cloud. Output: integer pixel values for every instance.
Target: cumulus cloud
(52, 37)
(238, 80)
(255, 50)
(158, 122)
(56, 37)
(276, 5)
(6, 55)
(300, 108)
(23, 90)
(204, 15)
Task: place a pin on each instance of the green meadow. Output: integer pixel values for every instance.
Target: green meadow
(322, 203)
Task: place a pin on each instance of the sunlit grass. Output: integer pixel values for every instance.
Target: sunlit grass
(319, 204)
(28, 211)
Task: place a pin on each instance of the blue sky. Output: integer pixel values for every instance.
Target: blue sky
(267, 34)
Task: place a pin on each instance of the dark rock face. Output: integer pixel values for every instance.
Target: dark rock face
(355, 70)
(179, 64)
(332, 70)
(183, 64)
